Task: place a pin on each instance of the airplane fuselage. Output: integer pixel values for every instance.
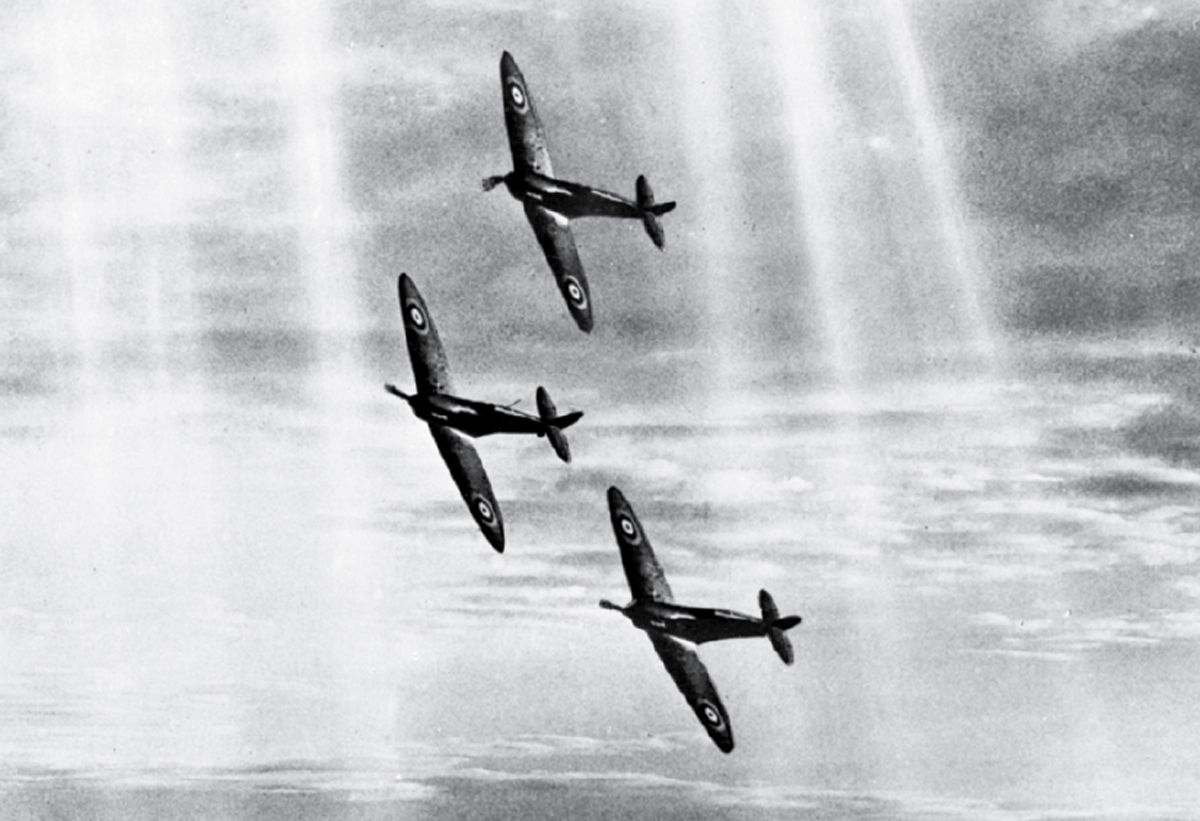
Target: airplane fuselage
(694, 624)
(570, 199)
(473, 418)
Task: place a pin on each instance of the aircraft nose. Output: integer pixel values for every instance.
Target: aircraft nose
(508, 65)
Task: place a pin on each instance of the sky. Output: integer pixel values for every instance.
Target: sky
(920, 358)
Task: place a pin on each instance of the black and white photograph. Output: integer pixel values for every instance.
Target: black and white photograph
(497, 409)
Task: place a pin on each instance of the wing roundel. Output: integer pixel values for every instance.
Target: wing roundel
(647, 582)
(691, 677)
(430, 369)
(467, 470)
(526, 137)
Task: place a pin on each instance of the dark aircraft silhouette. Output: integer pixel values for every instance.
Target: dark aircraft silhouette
(550, 204)
(446, 414)
(669, 625)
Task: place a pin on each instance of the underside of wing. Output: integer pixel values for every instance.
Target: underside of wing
(554, 235)
(467, 470)
(525, 134)
(430, 369)
(645, 575)
(693, 681)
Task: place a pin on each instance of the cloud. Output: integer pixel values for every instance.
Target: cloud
(481, 793)
(1171, 432)
(1086, 138)
(1066, 636)
(545, 745)
(586, 794)
(1188, 585)
(350, 782)
(1132, 485)
(1081, 150)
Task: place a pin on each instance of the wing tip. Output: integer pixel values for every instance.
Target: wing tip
(508, 65)
(494, 535)
(581, 313)
(494, 532)
(407, 289)
(583, 317)
(721, 735)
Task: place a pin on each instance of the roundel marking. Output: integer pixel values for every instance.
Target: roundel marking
(485, 510)
(711, 716)
(517, 95)
(629, 529)
(575, 293)
(417, 317)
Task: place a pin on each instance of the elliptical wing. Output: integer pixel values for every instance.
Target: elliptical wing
(553, 232)
(468, 473)
(430, 369)
(692, 679)
(526, 137)
(645, 575)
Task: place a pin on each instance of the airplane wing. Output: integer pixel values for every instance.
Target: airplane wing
(554, 235)
(642, 570)
(692, 679)
(466, 468)
(525, 135)
(430, 369)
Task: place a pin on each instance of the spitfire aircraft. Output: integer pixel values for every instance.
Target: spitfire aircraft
(551, 204)
(671, 627)
(447, 414)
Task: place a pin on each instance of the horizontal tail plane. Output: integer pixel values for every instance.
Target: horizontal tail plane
(556, 423)
(651, 212)
(776, 625)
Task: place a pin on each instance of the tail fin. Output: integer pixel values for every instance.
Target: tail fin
(555, 423)
(775, 626)
(650, 212)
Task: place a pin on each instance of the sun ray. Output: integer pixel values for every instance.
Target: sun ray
(711, 151)
(949, 213)
(337, 381)
(811, 114)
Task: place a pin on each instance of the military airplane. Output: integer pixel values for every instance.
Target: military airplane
(671, 627)
(447, 414)
(551, 204)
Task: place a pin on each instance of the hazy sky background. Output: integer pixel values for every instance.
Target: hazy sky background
(920, 358)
